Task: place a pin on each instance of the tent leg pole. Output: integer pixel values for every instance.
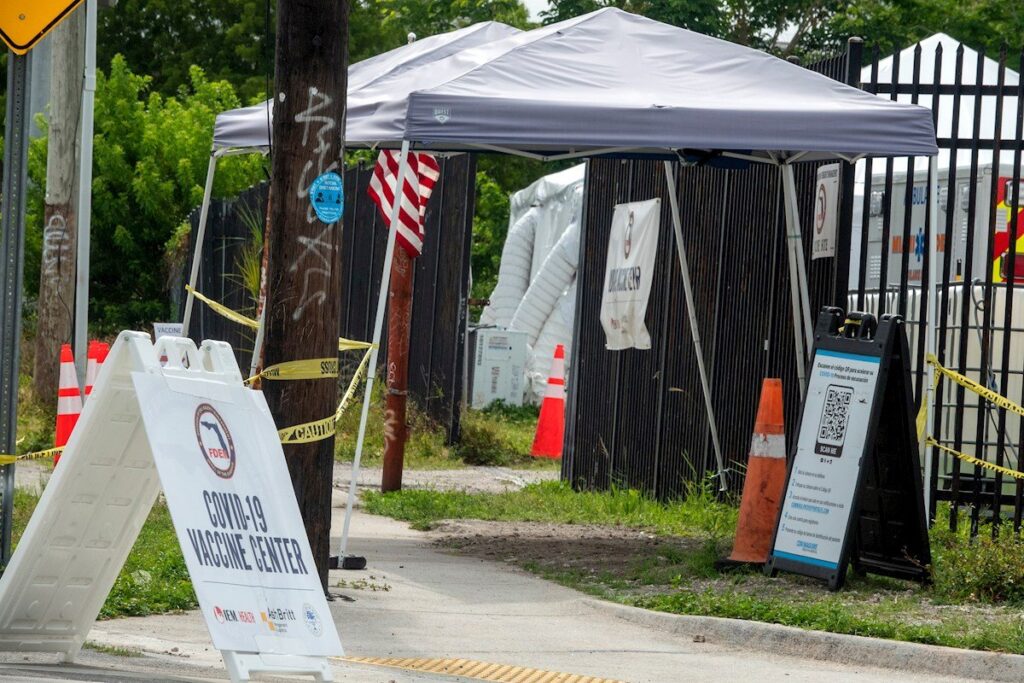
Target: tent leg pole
(801, 264)
(795, 268)
(931, 330)
(371, 371)
(257, 347)
(677, 228)
(197, 248)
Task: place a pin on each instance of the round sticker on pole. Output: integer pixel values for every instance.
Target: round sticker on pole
(327, 194)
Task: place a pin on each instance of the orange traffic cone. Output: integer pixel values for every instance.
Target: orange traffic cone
(551, 425)
(766, 479)
(102, 351)
(91, 367)
(69, 400)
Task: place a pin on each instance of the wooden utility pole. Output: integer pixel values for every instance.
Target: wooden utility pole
(399, 322)
(304, 266)
(57, 268)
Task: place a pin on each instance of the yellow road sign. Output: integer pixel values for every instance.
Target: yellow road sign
(23, 23)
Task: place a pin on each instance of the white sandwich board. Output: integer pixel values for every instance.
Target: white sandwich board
(193, 426)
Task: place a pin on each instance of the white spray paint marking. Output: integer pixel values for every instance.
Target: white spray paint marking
(320, 250)
(56, 248)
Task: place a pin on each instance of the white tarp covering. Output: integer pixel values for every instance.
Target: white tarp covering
(629, 274)
(535, 292)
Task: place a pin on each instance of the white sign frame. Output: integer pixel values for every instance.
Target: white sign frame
(825, 218)
(97, 500)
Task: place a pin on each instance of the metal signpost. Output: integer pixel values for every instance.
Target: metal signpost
(23, 23)
(12, 260)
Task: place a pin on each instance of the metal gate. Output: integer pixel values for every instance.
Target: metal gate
(977, 107)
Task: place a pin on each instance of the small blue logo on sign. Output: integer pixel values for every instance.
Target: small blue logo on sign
(327, 194)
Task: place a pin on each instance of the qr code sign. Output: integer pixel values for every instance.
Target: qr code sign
(835, 415)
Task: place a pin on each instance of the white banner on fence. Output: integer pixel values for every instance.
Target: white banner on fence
(227, 485)
(632, 246)
(826, 212)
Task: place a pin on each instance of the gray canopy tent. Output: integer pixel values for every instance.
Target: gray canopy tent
(611, 83)
(248, 129)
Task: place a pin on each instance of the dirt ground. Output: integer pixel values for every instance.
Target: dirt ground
(623, 563)
(586, 549)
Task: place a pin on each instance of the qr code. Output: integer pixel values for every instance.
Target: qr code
(835, 415)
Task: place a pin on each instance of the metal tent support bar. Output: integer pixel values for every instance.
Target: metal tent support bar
(378, 325)
(691, 311)
(803, 332)
(197, 248)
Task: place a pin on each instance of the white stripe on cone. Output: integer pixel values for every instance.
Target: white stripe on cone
(768, 445)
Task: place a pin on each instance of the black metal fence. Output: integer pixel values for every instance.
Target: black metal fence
(978, 107)
(637, 418)
(441, 285)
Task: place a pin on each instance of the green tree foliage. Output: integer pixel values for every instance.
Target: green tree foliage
(812, 28)
(150, 160)
(379, 25)
(896, 24)
(228, 39)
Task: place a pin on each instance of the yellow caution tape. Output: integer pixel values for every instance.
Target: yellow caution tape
(983, 391)
(319, 430)
(312, 368)
(234, 316)
(991, 396)
(224, 310)
(38, 455)
(976, 461)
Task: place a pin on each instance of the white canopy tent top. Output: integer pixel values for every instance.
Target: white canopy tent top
(248, 128)
(613, 83)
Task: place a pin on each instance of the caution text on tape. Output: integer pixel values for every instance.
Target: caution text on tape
(37, 455)
(318, 430)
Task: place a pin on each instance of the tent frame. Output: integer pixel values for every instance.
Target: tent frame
(803, 323)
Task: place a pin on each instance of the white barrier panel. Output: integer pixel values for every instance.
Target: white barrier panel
(194, 426)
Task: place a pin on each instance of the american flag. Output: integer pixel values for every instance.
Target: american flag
(422, 172)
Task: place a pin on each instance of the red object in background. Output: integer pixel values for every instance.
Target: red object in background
(551, 426)
(69, 400)
(91, 368)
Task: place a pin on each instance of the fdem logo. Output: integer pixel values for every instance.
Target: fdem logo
(215, 441)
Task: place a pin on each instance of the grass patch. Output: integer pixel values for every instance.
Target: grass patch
(35, 420)
(113, 650)
(555, 501)
(154, 578)
(499, 436)
(974, 602)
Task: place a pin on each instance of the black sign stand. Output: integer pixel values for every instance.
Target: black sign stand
(886, 532)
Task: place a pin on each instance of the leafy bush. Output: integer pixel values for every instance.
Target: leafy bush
(499, 435)
(987, 568)
(149, 166)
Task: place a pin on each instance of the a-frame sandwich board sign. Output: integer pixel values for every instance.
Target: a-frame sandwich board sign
(192, 426)
(853, 488)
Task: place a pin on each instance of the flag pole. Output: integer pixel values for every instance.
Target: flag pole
(371, 371)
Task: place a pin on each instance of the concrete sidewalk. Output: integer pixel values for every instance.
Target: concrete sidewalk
(414, 600)
(428, 603)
